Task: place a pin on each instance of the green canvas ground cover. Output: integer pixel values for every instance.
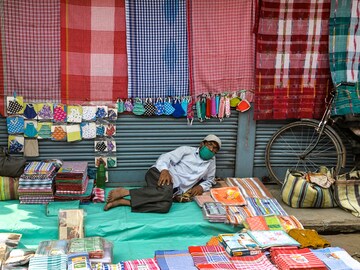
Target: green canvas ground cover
(134, 235)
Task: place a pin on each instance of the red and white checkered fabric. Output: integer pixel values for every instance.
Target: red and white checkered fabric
(296, 259)
(93, 50)
(252, 262)
(221, 46)
(31, 43)
(292, 61)
(149, 264)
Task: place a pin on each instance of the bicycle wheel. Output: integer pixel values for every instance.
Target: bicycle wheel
(285, 147)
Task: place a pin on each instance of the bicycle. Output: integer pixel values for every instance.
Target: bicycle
(305, 145)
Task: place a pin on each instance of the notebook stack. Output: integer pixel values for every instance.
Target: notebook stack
(72, 182)
(239, 244)
(36, 183)
(214, 212)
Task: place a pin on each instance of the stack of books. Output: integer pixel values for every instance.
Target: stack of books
(239, 244)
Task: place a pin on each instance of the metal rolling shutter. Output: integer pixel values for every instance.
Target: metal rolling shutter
(140, 140)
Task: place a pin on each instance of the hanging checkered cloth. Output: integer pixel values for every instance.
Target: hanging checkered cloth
(31, 43)
(221, 45)
(344, 53)
(157, 48)
(93, 51)
(292, 66)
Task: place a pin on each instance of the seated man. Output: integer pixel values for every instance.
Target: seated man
(184, 169)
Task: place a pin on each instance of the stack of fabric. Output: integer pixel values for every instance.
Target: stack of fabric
(293, 258)
(72, 182)
(36, 183)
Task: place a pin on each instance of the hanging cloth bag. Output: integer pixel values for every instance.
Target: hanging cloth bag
(179, 111)
(159, 105)
(29, 112)
(150, 108)
(138, 107)
(168, 108)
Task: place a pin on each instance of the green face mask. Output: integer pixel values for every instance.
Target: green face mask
(205, 153)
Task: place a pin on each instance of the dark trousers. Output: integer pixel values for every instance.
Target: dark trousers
(152, 198)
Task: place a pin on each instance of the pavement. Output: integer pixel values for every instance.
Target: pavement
(339, 227)
(323, 220)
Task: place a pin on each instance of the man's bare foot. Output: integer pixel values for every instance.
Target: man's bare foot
(118, 202)
(117, 193)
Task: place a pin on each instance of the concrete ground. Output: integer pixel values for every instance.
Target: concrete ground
(339, 227)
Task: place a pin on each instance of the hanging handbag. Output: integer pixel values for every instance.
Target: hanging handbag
(11, 166)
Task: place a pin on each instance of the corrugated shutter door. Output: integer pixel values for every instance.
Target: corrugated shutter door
(140, 140)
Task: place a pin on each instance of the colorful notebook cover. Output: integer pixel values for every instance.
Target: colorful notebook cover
(239, 244)
(228, 195)
(266, 239)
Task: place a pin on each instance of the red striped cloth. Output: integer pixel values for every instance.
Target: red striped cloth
(31, 43)
(221, 46)
(292, 61)
(259, 261)
(93, 50)
(149, 264)
(296, 259)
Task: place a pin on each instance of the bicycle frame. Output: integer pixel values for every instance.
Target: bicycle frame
(325, 118)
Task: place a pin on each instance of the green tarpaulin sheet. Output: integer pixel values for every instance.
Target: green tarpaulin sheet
(134, 235)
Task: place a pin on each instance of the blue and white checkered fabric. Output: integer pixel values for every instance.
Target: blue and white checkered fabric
(157, 48)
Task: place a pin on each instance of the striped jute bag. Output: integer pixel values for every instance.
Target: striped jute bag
(347, 192)
(9, 188)
(298, 192)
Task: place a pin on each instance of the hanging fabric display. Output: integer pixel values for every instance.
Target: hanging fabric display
(31, 44)
(292, 66)
(96, 33)
(215, 26)
(158, 59)
(344, 52)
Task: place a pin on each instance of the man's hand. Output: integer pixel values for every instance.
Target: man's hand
(197, 190)
(165, 178)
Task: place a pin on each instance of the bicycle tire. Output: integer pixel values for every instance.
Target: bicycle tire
(287, 144)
